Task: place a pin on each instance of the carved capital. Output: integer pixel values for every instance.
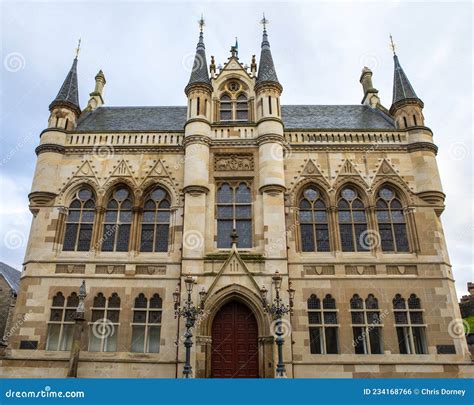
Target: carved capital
(201, 139)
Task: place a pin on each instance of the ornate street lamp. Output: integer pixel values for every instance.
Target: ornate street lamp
(276, 310)
(191, 313)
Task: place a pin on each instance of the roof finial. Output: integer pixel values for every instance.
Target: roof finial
(264, 22)
(392, 44)
(201, 23)
(78, 49)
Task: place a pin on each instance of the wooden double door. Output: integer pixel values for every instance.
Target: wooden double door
(234, 342)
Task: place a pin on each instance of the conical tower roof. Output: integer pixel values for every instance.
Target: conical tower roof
(68, 95)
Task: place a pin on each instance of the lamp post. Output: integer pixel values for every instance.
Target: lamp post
(78, 329)
(191, 313)
(276, 310)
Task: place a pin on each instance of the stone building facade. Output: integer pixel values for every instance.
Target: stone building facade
(343, 201)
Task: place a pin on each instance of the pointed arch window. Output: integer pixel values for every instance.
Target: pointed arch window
(391, 221)
(242, 108)
(80, 221)
(313, 220)
(117, 222)
(104, 323)
(234, 211)
(61, 322)
(156, 221)
(411, 333)
(323, 326)
(146, 324)
(366, 325)
(225, 108)
(352, 221)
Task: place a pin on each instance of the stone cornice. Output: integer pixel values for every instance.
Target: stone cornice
(62, 130)
(71, 150)
(270, 138)
(195, 190)
(275, 119)
(201, 139)
(420, 146)
(50, 147)
(41, 198)
(197, 119)
(272, 189)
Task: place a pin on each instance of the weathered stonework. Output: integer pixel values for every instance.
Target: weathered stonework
(277, 156)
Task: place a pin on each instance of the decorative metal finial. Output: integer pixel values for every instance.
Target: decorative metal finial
(392, 44)
(201, 23)
(264, 22)
(78, 49)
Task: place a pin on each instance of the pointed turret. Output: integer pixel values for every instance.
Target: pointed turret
(266, 69)
(199, 73)
(407, 108)
(402, 88)
(68, 96)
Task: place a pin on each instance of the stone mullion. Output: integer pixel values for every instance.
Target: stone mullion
(334, 229)
(135, 229)
(411, 229)
(97, 228)
(372, 227)
(59, 236)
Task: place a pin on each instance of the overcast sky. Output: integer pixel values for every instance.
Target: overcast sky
(145, 50)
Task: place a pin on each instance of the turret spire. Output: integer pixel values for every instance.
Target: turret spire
(266, 69)
(199, 73)
(402, 88)
(68, 95)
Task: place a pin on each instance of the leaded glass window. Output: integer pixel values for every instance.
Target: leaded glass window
(366, 325)
(234, 211)
(80, 221)
(391, 221)
(156, 222)
(323, 326)
(313, 220)
(117, 222)
(411, 331)
(352, 221)
(104, 323)
(226, 108)
(146, 324)
(61, 322)
(242, 108)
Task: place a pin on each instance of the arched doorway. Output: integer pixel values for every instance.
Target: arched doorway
(234, 350)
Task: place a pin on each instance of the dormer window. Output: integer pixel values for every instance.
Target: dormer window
(234, 108)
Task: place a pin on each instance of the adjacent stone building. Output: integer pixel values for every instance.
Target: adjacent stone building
(343, 201)
(9, 286)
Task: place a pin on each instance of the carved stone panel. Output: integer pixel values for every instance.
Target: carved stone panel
(233, 162)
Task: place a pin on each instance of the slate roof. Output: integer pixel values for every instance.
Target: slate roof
(11, 275)
(117, 119)
(199, 71)
(402, 88)
(266, 68)
(68, 93)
